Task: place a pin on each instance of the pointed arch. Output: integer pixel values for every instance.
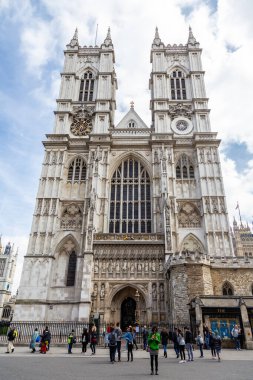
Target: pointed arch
(135, 156)
(191, 243)
(177, 75)
(189, 216)
(61, 244)
(227, 289)
(130, 198)
(184, 167)
(77, 170)
(71, 218)
(87, 86)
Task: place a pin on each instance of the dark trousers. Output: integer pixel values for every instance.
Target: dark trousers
(135, 344)
(182, 353)
(84, 346)
(213, 351)
(70, 348)
(93, 348)
(201, 349)
(112, 353)
(129, 352)
(152, 362)
(176, 348)
(119, 350)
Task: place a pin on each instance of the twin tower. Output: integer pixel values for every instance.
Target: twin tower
(129, 219)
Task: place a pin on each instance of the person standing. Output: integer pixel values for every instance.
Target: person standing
(200, 343)
(11, 336)
(119, 336)
(217, 345)
(71, 341)
(112, 339)
(211, 344)
(85, 340)
(134, 338)
(145, 337)
(175, 341)
(128, 336)
(34, 338)
(188, 343)
(45, 341)
(181, 343)
(154, 340)
(164, 339)
(235, 332)
(93, 339)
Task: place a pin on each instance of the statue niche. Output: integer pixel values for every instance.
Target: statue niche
(71, 217)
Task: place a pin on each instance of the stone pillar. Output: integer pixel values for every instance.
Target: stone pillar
(246, 325)
(198, 313)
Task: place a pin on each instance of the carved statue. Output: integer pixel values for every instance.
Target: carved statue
(161, 292)
(102, 291)
(154, 291)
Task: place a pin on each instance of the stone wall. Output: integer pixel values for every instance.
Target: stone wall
(240, 278)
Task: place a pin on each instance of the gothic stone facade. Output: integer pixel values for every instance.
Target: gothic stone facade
(121, 207)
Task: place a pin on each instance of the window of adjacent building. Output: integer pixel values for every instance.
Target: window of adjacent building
(87, 87)
(130, 209)
(184, 168)
(77, 171)
(227, 289)
(6, 312)
(2, 266)
(177, 85)
(71, 275)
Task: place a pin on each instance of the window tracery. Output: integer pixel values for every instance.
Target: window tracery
(184, 168)
(227, 289)
(77, 171)
(71, 217)
(6, 312)
(71, 275)
(189, 216)
(87, 87)
(130, 210)
(177, 85)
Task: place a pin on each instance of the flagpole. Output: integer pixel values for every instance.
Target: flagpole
(239, 212)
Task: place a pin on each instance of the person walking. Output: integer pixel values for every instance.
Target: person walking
(211, 344)
(71, 341)
(188, 343)
(119, 336)
(175, 341)
(128, 336)
(154, 340)
(112, 339)
(164, 340)
(11, 336)
(217, 345)
(85, 340)
(181, 344)
(34, 339)
(145, 337)
(200, 343)
(45, 341)
(93, 339)
(134, 338)
(235, 332)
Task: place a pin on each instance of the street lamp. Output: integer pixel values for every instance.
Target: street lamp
(137, 298)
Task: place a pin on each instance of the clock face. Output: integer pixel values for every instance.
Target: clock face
(181, 125)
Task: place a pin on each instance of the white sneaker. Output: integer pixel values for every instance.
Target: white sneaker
(182, 361)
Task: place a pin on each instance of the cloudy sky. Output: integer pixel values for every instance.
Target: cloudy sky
(33, 34)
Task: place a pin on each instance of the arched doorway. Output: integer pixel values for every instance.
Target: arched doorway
(128, 312)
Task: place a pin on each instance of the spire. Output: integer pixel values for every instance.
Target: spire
(191, 38)
(108, 40)
(132, 105)
(157, 40)
(74, 40)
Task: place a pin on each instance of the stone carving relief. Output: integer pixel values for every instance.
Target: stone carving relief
(82, 120)
(189, 216)
(179, 109)
(161, 291)
(71, 217)
(192, 244)
(102, 291)
(154, 292)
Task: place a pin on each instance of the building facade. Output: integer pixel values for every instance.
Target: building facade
(130, 221)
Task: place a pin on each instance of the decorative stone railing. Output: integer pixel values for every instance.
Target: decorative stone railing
(127, 237)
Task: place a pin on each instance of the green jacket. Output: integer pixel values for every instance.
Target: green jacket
(154, 340)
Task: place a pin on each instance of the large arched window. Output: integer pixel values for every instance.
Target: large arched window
(71, 275)
(227, 289)
(184, 168)
(130, 210)
(87, 87)
(6, 312)
(77, 171)
(177, 84)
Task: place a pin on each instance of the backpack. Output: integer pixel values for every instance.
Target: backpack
(112, 339)
(11, 335)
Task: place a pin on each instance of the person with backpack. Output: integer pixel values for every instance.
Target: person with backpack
(154, 340)
(93, 339)
(217, 344)
(119, 336)
(181, 343)
(45, 341)
(235, 332)
(85, 340)
(128, 336)
(71, 341)
(188, 343)
(112, 339)
(200, 343)
(11, 336)
(174, 339)
(164, 338)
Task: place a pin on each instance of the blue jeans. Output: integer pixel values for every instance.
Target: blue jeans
(201, 349)
(189, 351)
(176, 348)
(165, 349)
(237, 344)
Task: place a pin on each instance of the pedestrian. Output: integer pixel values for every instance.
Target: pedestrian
(11, 336)
(128, 336)
(175, 341)
(112, 339)
(200, 343)
(85, 340)
(217, 345)
(119, 336)
(188, 343)
(45, 340)
(134, 338)
(211, 344)
(181, 344)
(145, 337)
(235, 332)
(93, 339)
(206, 336)
(154, 340)
(71, 341)
(164, 339)
(34, 339)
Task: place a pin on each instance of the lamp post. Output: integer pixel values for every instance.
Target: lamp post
(137, 298)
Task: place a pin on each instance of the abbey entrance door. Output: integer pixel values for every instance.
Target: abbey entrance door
(128, 311)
